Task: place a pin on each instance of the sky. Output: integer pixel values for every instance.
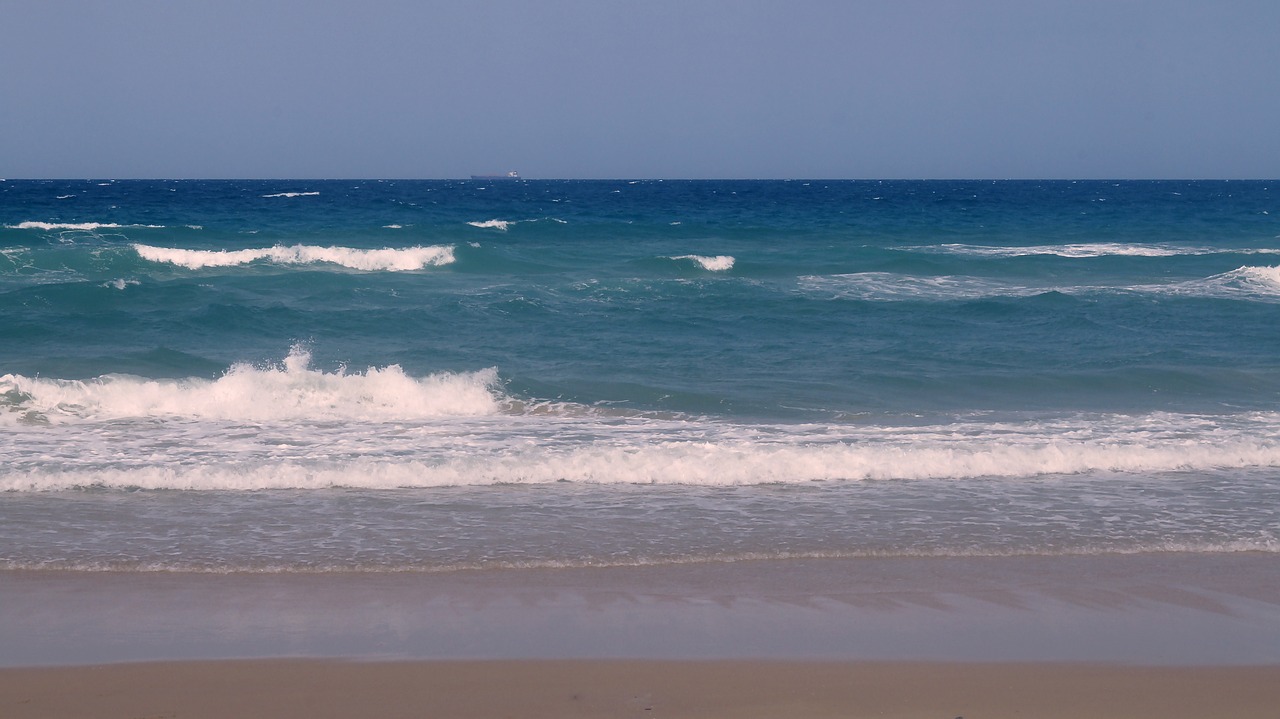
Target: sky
(640, 89)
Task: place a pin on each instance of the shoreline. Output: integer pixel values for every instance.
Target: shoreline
(549, 689)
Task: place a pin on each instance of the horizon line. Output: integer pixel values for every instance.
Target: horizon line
(504, 180)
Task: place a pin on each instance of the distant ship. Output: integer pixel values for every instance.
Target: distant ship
(513, 175)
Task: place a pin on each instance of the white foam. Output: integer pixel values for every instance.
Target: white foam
(888, 286)
(291, 426)
(65, 197)
(393, 227)
(463, 455)
(389, 259)
(120, 284)
(1085, 250)
(1093, 249)
(1248, 283)
(1244, 283)
(493, 224)
(289, 391)
(80, 226)
(293, 194)
(717, 263)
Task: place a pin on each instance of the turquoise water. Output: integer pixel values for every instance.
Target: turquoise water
(254, 375)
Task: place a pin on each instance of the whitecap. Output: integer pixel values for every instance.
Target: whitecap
(717, 263)
(291, 390)
(1082, 250)
(888, 286)
(293, 194)
(388, 259)
(80, 226)
(1250, 283)
(493, 224)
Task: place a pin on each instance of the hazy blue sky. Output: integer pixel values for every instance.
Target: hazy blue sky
(640, 88)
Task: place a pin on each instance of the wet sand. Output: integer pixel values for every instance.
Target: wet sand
(308, 689)
(1165, 636)
(1193, 609)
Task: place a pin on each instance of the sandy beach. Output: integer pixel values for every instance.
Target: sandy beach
(535, 689)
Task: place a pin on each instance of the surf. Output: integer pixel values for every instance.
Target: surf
(386, 259)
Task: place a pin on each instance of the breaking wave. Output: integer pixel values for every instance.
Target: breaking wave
(889, 286)
(717, 263)
(293, 194)
(291, 390)
(1089, 249)
(392, 260)
(1250, 283)
(80, 226)
(1244, 283)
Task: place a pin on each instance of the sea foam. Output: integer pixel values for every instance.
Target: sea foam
(1244, 283)
(291, 390)
(717, 263)
(293, 194)
(1087, 249)
(389, 259)
(80, 226)
(452, 454)
(1090, 249)
(493, 224)
(889, 286)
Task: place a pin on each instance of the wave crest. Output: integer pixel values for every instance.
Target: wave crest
(289, 391)
(387, 259)
(80, 226)
(717, 263)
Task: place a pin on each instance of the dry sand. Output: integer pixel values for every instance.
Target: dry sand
(314, 689)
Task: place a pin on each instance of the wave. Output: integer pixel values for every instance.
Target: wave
(889, 286)
(293, 427)
(1244, 283)
(293, 194)
(80, 226)
(718, 263)
(394, 260)
(504, 225)
(288, 391)
(458, 461)
(1250, 283)
(1089, 249)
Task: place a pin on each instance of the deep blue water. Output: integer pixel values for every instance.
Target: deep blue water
(676, 370)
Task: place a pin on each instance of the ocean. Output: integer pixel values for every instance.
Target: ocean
(437, 376)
